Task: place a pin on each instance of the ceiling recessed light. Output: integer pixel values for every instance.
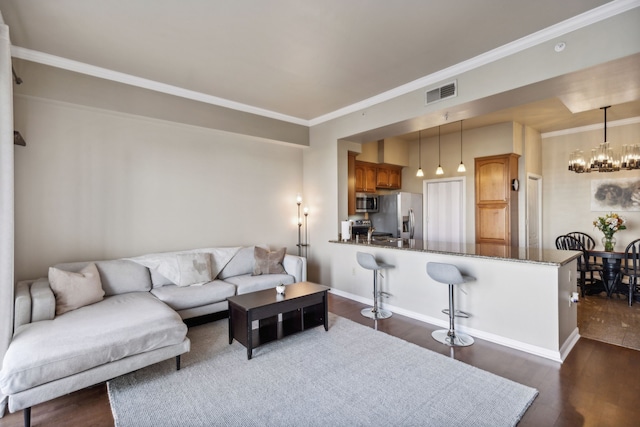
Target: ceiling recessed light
(560, 46)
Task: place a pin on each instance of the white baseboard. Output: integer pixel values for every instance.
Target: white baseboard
(556, 356)
(566, 347)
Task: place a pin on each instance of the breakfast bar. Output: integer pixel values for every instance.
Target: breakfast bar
(521, 297)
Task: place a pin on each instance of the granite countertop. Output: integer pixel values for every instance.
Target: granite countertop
(483, 250)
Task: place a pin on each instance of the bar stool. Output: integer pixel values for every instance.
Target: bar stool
(450, 275)
(367, 261)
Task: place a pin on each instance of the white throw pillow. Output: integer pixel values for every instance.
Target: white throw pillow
(195, 268)
(75, 290)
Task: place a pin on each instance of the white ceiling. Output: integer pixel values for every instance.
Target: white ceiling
(297, 59)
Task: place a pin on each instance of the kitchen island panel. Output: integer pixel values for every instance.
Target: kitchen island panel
(523, 305)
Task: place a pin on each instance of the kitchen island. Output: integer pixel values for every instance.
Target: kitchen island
(520, 298)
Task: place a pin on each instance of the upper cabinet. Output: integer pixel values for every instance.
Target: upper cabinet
(371, 176)
(389, 177)
(365, 177)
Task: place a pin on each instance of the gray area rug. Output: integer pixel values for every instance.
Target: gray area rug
(349, 376)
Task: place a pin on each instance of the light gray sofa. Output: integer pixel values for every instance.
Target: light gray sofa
(138, 323)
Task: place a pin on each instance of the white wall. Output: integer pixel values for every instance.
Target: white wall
(567, 195)
(479, 142)
(94, 184)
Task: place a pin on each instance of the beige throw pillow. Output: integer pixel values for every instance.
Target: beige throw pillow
(195, 268)
(75, 290)
(268, 262)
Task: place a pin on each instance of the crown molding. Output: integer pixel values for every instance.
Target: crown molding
(116, 76)
(585, 19)
(605, 11)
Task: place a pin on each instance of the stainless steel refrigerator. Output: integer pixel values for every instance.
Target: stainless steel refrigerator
(399, 214)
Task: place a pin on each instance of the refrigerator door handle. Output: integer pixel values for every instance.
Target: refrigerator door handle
(412, 223)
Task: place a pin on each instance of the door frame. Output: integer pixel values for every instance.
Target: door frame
(538, 179)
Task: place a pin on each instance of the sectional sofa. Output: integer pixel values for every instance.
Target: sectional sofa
(132, 317)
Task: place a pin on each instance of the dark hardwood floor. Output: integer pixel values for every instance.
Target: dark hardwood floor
(598, 385)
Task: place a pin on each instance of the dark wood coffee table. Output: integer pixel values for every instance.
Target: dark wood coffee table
(303, 306)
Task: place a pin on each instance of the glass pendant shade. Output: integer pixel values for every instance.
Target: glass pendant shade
(420, 173)
(439, 171)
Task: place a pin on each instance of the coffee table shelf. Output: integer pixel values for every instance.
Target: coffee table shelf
(303, 306)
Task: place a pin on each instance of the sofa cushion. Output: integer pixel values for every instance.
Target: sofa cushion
(113, 329)
(180, 298)
(118, 276)
(247, 283)
(166, 263)
(268, 262)
(158, 280)
(195, 268)
(241, 263)
(75, 290)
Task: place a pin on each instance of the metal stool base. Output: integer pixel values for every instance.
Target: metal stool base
(458, 313)
(459, 339)
(375, 314)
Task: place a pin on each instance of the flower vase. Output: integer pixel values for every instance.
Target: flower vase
(609, 243)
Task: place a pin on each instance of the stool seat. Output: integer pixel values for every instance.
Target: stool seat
(447, 274)
(369, 262)
(450, 275)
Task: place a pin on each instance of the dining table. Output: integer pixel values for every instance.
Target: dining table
(611, 269)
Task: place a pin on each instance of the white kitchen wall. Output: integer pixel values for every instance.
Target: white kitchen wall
(479, 142)
(94, 184)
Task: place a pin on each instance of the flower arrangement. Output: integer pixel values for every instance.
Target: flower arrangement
(609, 224)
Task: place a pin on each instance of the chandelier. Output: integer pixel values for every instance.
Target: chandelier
(603, 158)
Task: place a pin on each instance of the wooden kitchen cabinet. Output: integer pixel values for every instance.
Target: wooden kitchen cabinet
(389, 177)
(351, 184)
(496, 201)
(365, 177)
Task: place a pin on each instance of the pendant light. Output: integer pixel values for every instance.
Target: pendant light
(461, 167)
(604, 158)
(419, 173)
(439, 171)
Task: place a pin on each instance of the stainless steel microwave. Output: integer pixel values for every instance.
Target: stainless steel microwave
(366, 202)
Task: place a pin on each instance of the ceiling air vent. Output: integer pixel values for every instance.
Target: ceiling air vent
(438, 94)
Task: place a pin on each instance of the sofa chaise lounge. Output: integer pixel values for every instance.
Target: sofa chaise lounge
(138, 322)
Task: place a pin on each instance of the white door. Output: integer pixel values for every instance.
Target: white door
(444, 208)
(534, 210)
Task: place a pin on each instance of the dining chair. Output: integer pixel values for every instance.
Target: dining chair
(631, 269)
(585, 268)
(586, 240)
